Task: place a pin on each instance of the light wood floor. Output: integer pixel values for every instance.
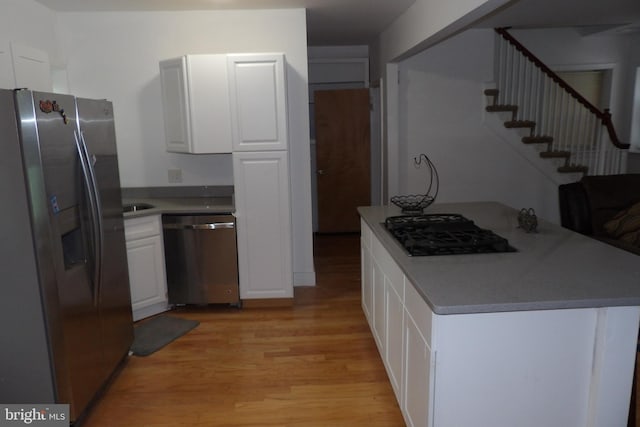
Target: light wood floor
(313, 364)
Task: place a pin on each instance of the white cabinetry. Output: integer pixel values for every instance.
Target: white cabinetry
(417, 396)
(22, 66)
(257, 99)
(378, 318)
(195, 99)
(415, 405)
(394, 322)
(145, 253)
(236, 103)
(7, 81)
(31, 68)
(257, 88)
(386, 289)
(366, 273)
(564, 367)
(213, 102)
(263, 216)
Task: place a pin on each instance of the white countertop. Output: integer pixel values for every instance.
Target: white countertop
(554, 268)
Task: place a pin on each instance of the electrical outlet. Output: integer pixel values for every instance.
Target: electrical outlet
(175, 176)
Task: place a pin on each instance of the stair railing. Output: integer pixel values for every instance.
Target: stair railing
(560, 113)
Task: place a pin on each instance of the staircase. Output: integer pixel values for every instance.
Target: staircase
(552, 114)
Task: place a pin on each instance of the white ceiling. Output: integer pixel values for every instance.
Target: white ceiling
(329, 22)
(590, 16)
(353, 22)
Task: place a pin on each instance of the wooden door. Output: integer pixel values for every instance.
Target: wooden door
(343, 158)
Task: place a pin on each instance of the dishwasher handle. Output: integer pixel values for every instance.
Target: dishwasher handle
(209, 226)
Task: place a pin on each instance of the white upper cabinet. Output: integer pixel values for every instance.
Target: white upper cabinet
(195, 100)
(258, 101)
(31, 68)
(24, 67)
(7, 81)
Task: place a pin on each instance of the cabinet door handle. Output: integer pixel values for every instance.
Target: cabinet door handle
(210, 226)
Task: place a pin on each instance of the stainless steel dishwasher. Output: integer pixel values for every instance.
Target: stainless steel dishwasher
(201, 259)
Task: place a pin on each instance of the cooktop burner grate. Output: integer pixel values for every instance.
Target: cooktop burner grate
(444, 234)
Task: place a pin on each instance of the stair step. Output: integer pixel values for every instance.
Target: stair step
(519, 124)
(500, 108)
(537, 139)
(491, 92)
(573, 169)
(555, 154)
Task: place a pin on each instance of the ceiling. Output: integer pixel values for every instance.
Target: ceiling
(588, 16)
(354, 22)
(329, 22)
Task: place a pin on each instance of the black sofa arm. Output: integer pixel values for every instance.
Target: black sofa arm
(575, 211)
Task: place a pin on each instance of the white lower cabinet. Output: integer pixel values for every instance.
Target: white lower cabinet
(394, 321)
(378, 324)
(415, 403)
(403, 348)
(556, 368)
(367, 280)
(383, 297)
(263, 224)
(147, 277)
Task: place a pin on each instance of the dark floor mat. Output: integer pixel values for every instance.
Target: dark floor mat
(153, 334)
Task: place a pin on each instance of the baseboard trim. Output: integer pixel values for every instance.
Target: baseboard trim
(267, 302)
(304, 278)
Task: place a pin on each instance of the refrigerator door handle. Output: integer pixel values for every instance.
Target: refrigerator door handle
(95, 211)
(91, 161)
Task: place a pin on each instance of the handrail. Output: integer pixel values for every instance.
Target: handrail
(605, 116)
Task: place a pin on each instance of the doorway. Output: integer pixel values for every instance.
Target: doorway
(594, 85)
(343, 158)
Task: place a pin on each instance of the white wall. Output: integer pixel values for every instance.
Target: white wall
(424, 24)
(26, 25)
(427, 22)
(566, 49)
(115, 56)
(442, 115)
(634, 60)
(29, 23)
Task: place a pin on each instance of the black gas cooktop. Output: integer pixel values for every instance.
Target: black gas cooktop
(444, 234)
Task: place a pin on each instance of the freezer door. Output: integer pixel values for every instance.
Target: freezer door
(26, 355)
(72, 238)
(97, 131)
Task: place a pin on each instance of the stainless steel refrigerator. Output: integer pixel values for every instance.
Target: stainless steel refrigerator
(65, 307)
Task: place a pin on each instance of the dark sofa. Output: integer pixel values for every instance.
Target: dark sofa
(590, 205)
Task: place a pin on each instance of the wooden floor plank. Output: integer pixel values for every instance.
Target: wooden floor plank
(312, 364)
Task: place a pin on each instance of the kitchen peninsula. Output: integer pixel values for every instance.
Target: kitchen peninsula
(543, 336)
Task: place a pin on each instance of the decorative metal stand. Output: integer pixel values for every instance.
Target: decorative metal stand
(413, 204)
(527, 220)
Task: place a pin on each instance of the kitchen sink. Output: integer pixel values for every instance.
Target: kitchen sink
(135, 207)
